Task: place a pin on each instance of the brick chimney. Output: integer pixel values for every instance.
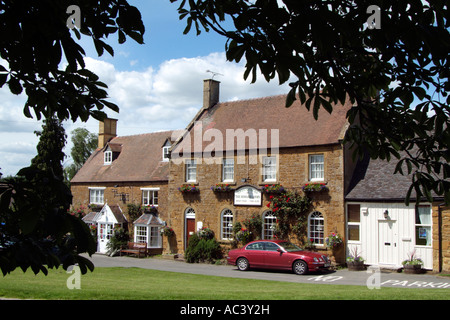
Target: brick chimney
(210, 93)
(107, 130)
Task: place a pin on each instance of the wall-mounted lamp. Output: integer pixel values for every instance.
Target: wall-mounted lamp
(386, 214)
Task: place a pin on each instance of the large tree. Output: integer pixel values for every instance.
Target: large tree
(84, 143)
(36, 38)
(390, 58)
(36, 229)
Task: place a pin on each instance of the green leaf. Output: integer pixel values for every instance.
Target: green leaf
(291, 97)
(14, 86)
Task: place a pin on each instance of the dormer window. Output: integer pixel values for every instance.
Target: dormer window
(165, 153)
(108, 157)
(165, 150)
(111, 153)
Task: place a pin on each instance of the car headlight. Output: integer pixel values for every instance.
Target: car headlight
(318, 259)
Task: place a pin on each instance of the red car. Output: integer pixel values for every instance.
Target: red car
(277, 254)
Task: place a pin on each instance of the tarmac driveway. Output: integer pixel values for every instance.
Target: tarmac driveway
(371, 278)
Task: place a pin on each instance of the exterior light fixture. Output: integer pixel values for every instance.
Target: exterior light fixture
(386, 214)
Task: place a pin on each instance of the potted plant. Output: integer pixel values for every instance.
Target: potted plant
(188, 188)
(167, 231)
(315, 187)
(205, 233)
(334, 240)
(150, 209)
(413, 264)
(244, 236)
(222, 187)
(274, 189)
(355, 262)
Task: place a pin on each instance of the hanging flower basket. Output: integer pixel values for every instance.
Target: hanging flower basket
(315, 187)
(168, 232)
(273, 189)
(334, 240)
(188, 188)
(222, 187)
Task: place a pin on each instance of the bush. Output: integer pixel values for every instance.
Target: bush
(202, 250)
(119, 238)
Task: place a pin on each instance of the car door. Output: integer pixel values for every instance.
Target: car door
(254, 253)
(274, 258)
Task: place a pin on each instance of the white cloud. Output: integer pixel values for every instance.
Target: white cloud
(150, 100)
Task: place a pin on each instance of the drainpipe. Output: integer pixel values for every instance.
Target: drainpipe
(440, 235)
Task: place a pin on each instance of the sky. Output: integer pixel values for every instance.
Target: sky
(157, 86)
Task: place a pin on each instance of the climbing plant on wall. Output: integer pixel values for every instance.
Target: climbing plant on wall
(291, 211)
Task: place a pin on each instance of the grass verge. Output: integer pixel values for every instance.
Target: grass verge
(138, 284)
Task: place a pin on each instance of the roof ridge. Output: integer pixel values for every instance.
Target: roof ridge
(253, 99)
(147, 133)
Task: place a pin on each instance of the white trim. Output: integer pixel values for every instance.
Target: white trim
(150, 189)
(107, 157)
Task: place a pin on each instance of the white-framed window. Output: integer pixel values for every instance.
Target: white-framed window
(96, 195)
(107, 157)
(423, 225)
(316, 228)
(353, 222)
(269, 225)
(316, 167)
(165, 153)
(140, 234)
(150, 196)
(148, 234)
(226, 218)
(228, 170)
(269, 169)
(191, 170)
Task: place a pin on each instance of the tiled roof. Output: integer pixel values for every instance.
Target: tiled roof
(148, 219)
(374, 180)
(140, 159)
(296, 125)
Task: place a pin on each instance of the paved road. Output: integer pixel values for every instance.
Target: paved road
(371, 278)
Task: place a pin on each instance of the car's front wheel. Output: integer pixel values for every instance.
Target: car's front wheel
(242, 264)
(300, 267)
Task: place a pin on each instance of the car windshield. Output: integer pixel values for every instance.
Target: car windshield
(289, 247)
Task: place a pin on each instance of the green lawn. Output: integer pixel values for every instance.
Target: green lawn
(135, 284)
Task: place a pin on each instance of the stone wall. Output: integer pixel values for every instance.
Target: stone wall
(122, 194)
(292, 173)
(441, 242)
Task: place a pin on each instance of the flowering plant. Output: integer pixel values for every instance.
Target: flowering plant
(167, 231)
(412, 259)
(315, 186)
(221, 187)
(95, 207)
(186, 188)
(79, 213)
(150, 208)
(333, 240)
(205, 233)
(244, 236)
(355, 256)
(275, 188)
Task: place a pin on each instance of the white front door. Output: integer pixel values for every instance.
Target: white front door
(105, 231)
(387, 242)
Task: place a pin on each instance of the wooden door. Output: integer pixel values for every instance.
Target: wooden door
(190, 229)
